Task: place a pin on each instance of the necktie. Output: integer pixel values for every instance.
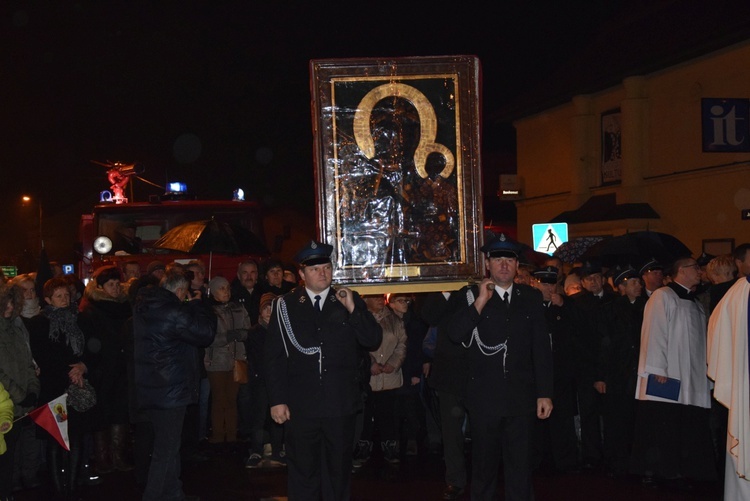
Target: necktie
(505, 299)
(317, 303)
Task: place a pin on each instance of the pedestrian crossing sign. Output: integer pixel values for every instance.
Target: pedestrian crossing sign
(549, 236)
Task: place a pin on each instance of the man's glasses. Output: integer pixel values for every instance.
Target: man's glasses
(402, 300)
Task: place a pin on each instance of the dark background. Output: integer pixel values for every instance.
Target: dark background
(216, 94)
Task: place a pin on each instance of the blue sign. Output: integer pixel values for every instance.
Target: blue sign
(68, 269)
(549, 236)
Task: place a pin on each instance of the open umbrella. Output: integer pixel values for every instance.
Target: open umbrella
(573, 249)
(638, 246)
(209, 236)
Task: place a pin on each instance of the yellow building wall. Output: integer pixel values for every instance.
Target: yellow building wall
(698, 195)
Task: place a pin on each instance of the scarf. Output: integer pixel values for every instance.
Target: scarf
(30, 308)
(65, 320)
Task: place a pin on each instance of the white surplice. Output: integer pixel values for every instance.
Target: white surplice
(673, 344)
(728, 367)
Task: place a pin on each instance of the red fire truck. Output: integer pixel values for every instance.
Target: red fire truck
(118, 231)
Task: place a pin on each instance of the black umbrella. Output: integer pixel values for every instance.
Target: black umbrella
(209, 236)
(636, 247)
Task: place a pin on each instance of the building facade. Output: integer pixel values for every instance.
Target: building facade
(667, 151)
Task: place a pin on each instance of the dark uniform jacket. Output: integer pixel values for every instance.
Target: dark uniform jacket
(590, 329)
(559, 320)
(507, 383)
(325, 383)
(621, 344)
(449, 370)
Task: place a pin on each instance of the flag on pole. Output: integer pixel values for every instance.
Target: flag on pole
(53, 417)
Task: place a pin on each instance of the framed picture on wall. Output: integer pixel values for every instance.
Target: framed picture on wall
(397, 168)
(718, 246)
(611, 147)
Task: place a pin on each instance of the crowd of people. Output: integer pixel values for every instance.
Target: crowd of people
(553, 367)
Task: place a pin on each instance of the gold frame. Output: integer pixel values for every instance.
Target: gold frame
(420, 253)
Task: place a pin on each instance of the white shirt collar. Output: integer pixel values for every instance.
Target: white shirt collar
(323, 295)
(501, 292)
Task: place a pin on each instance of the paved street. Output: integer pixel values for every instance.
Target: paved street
(224, 478)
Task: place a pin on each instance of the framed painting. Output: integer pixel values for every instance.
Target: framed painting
(397, 169)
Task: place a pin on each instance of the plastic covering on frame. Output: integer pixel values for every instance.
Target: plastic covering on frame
(397, 168)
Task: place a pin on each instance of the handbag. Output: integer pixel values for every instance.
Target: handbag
(81, 399)
(240, 368)
(240, 371)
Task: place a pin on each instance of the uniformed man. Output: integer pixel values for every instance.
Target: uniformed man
(502, 326)
(312, 374)
(556, 444)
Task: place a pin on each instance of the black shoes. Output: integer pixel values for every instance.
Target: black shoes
(452, 492)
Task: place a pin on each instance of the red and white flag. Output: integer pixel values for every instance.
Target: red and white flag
(53, 417)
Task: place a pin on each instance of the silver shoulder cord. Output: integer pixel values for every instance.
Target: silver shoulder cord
(282, 316)
(487, 351)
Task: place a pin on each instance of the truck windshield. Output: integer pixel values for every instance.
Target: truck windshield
(135, 231)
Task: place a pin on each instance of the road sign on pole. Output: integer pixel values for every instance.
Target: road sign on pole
(549, 236)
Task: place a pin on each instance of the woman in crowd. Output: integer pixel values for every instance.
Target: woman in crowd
(385, 378)
(273, 278)
(104, 311)
(58, 347)
(411, 412)
(232, 328)
(17, 375)
(260, 424)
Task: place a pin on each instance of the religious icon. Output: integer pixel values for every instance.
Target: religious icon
(397, 167)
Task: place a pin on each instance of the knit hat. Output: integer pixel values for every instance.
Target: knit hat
(216, 282)
(266, 299)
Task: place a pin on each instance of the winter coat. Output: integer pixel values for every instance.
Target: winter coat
(17, 374)
(392, 351)
(249, 300)
(102, 320)
(220, 356)
(168, 334)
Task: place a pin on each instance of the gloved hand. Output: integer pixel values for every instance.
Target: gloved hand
(28, 401)
(236, 335)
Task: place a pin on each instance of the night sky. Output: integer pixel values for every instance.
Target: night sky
(218, 95)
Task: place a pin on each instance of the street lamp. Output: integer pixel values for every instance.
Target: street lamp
(26, 199)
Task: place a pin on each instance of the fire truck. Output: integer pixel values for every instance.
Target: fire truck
(118, 231)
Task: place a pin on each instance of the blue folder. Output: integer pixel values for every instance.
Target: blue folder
(669, 390)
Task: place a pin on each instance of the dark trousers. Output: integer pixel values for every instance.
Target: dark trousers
(495, 438)
(319, 457)
(244, 410)
(589, 410)
(619, 422)
(164, 473)
(380, 414)
(6, 462)
(260, 420)
(143, 444)
(452, 417)
(411, 415)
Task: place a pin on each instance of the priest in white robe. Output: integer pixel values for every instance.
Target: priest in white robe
(728, 367)
(672, 440)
